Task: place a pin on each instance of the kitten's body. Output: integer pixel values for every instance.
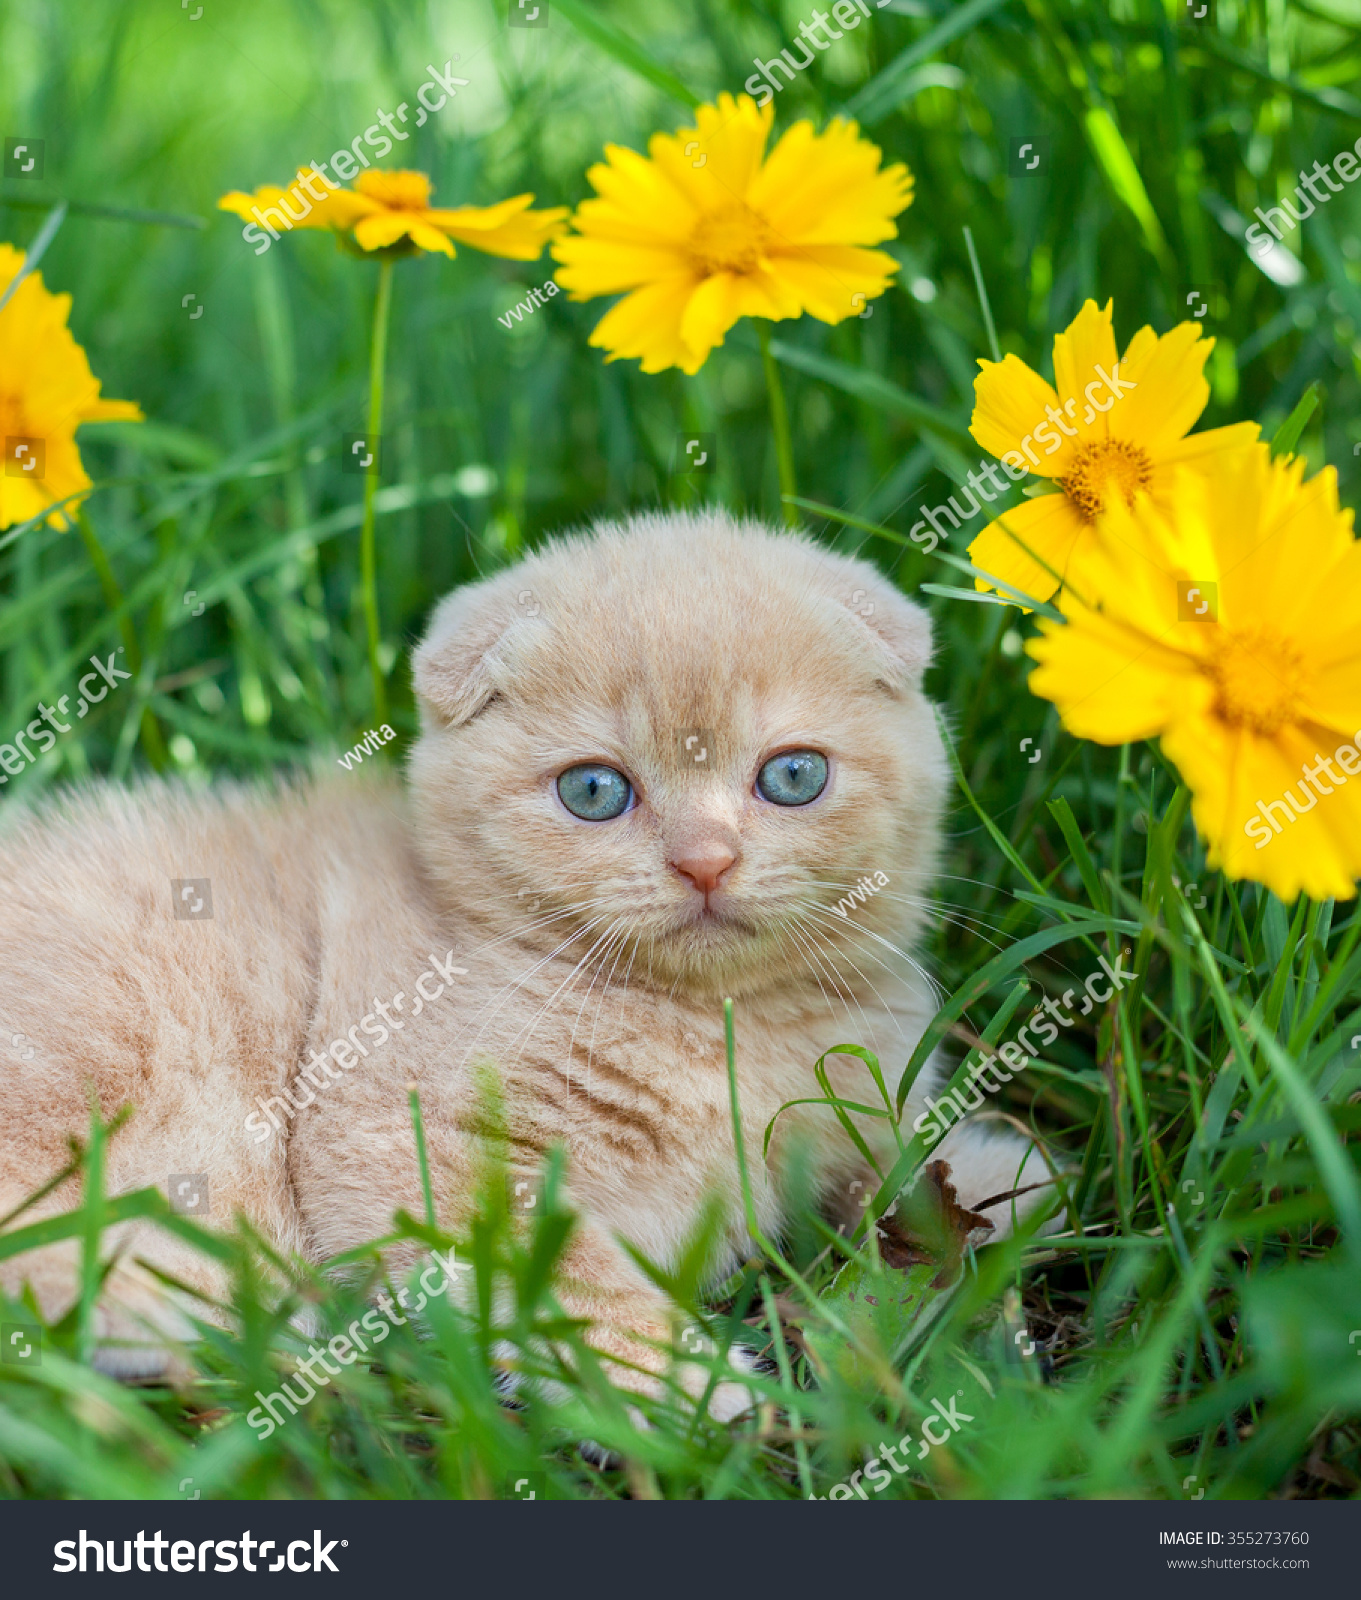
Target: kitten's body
(593, 967)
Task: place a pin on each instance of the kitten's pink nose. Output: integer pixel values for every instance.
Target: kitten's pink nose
(704, 866)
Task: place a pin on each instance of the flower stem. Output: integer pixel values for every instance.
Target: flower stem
(153, 741)
(779, 422)
(382, 306)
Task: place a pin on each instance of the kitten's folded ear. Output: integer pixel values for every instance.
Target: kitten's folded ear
(454, 669)
(899, 629)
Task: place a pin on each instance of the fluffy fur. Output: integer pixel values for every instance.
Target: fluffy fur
(594, 969)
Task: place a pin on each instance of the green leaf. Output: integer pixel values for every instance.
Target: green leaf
(872, 389)
(1286, 437)
(1123, 176)
(1062, 813)
(884, 91)
(605, 36)
(89, 208)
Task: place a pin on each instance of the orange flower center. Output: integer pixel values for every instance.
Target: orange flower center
(732, 239)
(1101, 464)
(1258, 675)
(398, 191)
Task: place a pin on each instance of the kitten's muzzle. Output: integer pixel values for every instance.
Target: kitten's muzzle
(703, 867)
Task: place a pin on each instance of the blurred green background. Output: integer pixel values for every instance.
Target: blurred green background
(1214, 1351)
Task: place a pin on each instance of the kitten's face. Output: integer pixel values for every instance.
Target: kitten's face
(684, 748)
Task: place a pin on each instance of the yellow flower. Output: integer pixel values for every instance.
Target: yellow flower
(386, 209)
(707, 228)
(46, 391)
(1232, 631)
(1109, 427)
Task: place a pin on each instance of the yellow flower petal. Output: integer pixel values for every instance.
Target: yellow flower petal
(46, 391)
(832, 282)
(745, 233)
(384, 228)
(1171, 391)
(1112, 683)
(113, 411)
(647, 324)
(1252, 695)
(1009, 404)
(711, 311)
(385, 206)
(1048, 525)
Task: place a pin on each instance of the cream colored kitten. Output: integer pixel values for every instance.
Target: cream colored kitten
(654, 760)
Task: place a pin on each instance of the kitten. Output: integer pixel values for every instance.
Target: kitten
(657, 762)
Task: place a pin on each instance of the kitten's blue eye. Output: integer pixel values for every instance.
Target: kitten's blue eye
(594, 793)
(793, 778)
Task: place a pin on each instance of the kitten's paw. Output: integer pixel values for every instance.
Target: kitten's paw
(729, 1398)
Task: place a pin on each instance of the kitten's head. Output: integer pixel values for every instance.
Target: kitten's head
(697, 745)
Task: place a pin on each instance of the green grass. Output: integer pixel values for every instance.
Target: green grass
(1203, 1348)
